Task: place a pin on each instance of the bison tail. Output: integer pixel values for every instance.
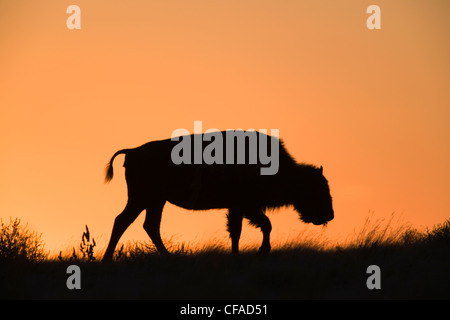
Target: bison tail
(109, 172)
(109, 167)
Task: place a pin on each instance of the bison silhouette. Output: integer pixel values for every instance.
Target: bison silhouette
(153, 178)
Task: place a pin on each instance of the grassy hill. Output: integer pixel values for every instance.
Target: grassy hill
(413, 265)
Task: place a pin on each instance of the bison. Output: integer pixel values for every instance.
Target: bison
(153, 177)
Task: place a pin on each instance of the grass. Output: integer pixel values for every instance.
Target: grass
(414, 265)
(17, 243)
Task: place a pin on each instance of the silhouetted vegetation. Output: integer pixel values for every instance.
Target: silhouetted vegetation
(86, 249)
(414, 265)
(17, 243)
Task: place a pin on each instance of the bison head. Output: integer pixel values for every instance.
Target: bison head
(312, 197)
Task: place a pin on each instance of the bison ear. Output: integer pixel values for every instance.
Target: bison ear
(321, 169)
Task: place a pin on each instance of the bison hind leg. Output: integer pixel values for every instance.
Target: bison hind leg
(152, 225)
(121, 223)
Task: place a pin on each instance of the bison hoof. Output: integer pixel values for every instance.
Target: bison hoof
(264, 250)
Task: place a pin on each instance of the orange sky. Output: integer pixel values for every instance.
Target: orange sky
(371, 106)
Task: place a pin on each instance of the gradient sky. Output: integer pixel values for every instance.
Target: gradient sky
(371, 106)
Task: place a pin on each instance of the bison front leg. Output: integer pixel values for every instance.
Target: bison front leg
(234, 228)
(152, 225)
(260, 220)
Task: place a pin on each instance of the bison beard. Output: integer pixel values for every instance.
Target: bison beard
(152, 179)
